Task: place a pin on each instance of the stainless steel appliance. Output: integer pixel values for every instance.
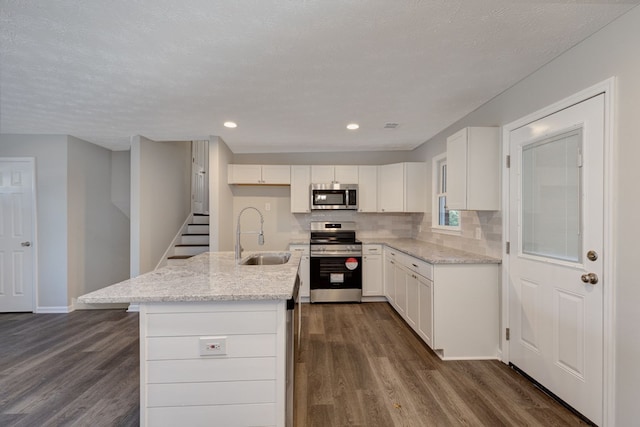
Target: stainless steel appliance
(335, 262)
(334, 196)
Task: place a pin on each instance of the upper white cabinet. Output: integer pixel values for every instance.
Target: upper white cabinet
(473, 169)
(344, 174)
(402, 187)
(300, 183)
(367, 188)
(259, 174)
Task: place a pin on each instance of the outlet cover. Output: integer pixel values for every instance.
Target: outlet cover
(478, 233)
(213, 346)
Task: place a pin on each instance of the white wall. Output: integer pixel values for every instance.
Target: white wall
(50, 152)
(160, 198)
(98, 232)
(613, 51)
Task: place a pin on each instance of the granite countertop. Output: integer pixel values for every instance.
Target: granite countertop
(431, 253)
(211, 276)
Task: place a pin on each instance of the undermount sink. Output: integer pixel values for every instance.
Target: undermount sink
(267, 259)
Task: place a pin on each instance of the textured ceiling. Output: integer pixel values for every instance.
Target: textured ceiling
(292, 73)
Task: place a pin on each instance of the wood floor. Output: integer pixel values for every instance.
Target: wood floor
(359, 365)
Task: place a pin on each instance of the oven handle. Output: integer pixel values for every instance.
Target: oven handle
(335, 254)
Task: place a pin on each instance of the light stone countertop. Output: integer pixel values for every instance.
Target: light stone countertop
(431, 253)
(211, 276)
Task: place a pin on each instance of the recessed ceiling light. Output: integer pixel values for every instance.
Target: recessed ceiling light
(230, 125)
(353, 126)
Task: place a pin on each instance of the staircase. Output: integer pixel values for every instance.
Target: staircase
(193, 242)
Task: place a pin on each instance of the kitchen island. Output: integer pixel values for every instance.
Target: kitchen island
(215, 339)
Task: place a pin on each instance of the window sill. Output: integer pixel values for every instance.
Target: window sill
(450, 232)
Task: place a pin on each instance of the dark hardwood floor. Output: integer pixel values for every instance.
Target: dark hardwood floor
(77, 369)
(359, 365)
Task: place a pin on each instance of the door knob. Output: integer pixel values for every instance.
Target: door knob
(26, 244)
(590, 278)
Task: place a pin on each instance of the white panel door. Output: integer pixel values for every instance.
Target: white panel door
(556, 232)
(199, 180)
(16, 235)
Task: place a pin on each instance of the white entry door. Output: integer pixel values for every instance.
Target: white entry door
(200, 181)
(16, 235)
(556, 232)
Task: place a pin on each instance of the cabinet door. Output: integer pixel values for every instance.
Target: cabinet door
(300, 182)
(400, 280)
(391, 188)
(457, 170)
(372, 275)
(244, 174)
(322, 174)
(368, 188)
(346, 174)
(389, 280)
(425, 317)
(415, 194)
(412, 301)
(276, 174)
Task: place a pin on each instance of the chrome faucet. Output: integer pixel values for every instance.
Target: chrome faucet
(239, 233)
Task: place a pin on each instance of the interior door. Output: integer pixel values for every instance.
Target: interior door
(199, 181)
(16, 235)
(556, 233)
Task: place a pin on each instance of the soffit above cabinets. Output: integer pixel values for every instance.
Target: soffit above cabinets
(292, 74)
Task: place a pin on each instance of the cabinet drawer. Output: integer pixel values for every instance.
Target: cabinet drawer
(372, 249)
(422, 268)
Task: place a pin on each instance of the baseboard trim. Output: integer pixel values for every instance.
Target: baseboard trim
(54, 309)
(133, 308)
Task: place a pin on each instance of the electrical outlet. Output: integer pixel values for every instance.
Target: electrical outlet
(478, 233)
(267, 206)
(213, 346)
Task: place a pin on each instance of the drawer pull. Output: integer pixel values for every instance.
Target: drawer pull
(414, 265)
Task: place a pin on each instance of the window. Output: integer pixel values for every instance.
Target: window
(442, 218)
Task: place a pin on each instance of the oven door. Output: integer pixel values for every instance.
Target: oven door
(336, 278)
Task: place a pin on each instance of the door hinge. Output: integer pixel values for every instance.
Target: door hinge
(508, 334)
(508, 161)
(508, 247)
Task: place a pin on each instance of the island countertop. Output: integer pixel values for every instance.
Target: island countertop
(211, 276)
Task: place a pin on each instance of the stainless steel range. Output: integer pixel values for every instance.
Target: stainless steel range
(336, 262)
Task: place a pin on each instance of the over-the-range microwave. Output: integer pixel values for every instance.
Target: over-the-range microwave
(334, 196)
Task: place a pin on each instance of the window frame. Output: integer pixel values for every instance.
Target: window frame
(436, 179)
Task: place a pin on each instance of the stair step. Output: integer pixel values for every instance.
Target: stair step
(198, 229)
(200, 219)
(190, 249)
(194, 239)
(178, 259)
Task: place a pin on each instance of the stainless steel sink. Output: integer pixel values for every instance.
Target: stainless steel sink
(267, 259)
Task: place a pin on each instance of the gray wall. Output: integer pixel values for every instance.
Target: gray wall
(98, 232)
(613, 51)
(50, 152)
(82, 238)
(160, 198)
(340, 158)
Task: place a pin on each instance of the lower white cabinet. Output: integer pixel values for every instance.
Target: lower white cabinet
(304, 270)
(372, 278)
(454, 308)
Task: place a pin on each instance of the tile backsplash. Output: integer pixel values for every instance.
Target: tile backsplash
(372, 225)
(489, 224)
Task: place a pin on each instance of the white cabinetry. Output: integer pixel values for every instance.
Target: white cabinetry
(402, 187)
(344, 174)
(304, 270)
(473, 169)
(259, 174)
(300, 183)
(367, 188)
(372, 280)
(454, 308)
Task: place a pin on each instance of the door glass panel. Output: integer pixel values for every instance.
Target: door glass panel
(551, 188)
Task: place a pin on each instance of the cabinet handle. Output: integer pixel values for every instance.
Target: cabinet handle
(414, 265)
